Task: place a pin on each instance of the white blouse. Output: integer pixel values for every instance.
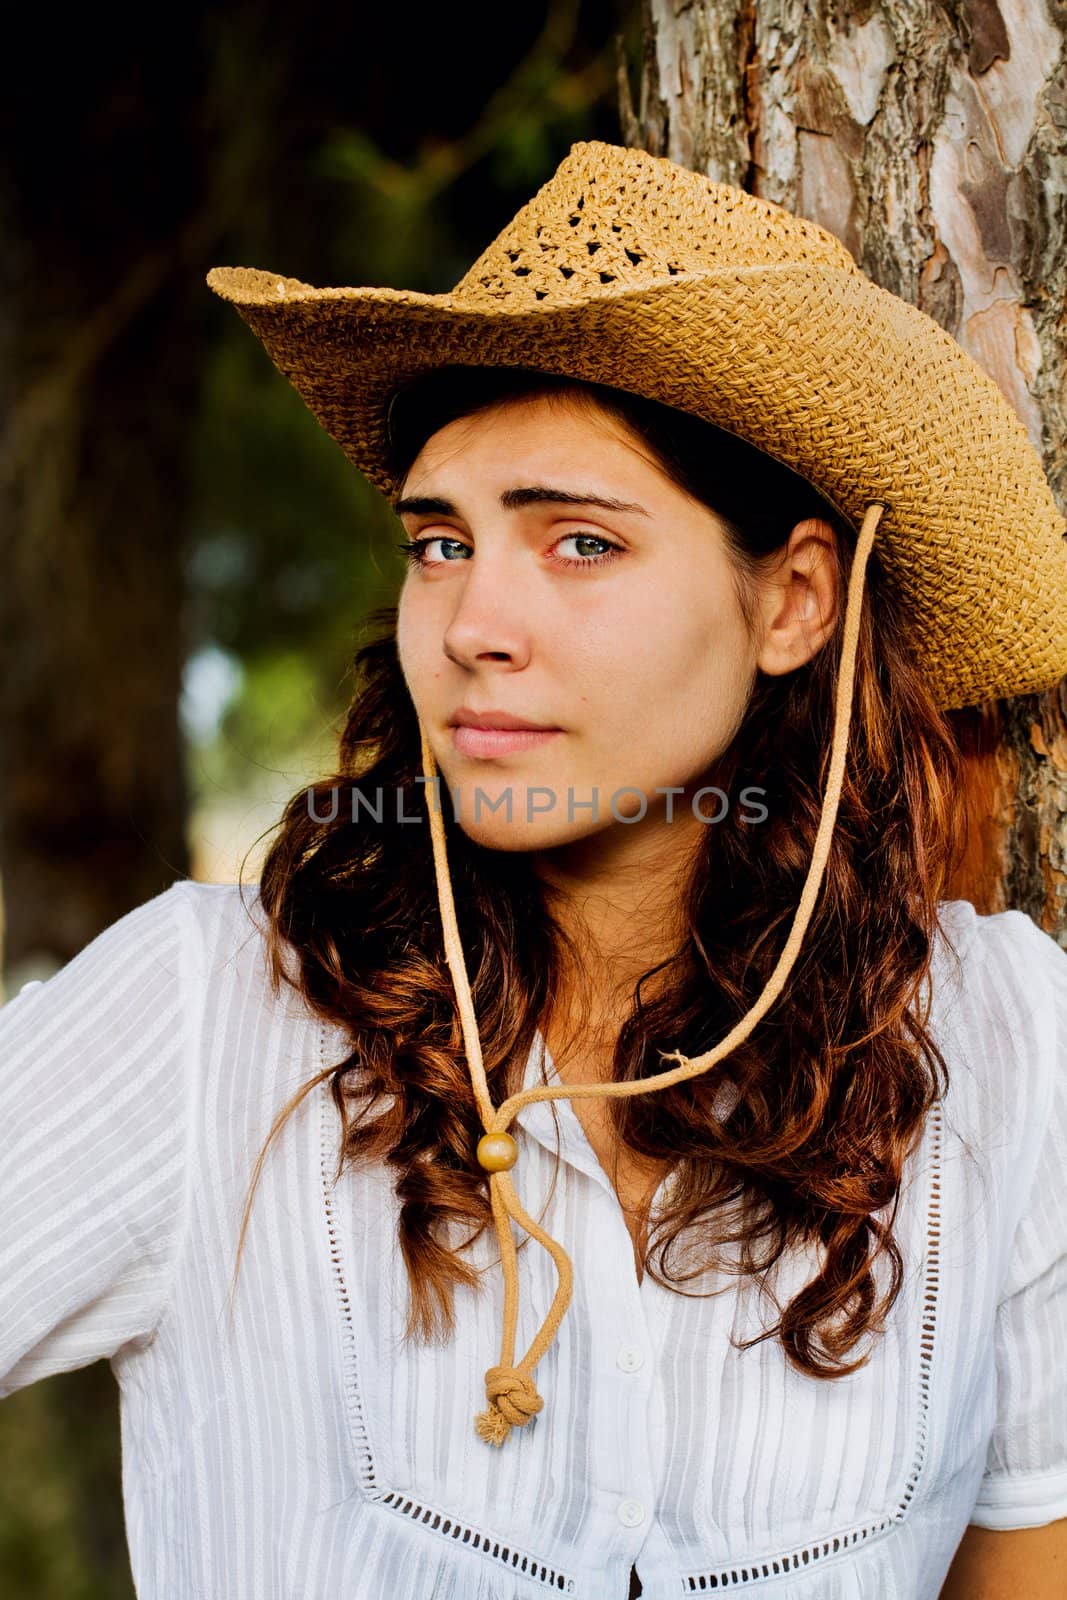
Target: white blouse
(302, 1450)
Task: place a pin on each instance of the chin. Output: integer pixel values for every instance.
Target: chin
(524, 837)
(480, 807)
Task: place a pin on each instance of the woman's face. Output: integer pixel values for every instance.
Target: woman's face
(616, 624)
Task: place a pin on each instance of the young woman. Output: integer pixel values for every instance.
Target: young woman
(597, 1157)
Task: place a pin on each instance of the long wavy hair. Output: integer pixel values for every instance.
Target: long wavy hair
(832, 1088)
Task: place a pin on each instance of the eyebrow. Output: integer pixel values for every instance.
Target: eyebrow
(515, 500)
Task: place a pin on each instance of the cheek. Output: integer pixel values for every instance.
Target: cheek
(415, 640)
(691, 676)
(413, 655)
(683, 636)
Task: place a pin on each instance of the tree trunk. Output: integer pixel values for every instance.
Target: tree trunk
(931, 138)
(93, 805)
(100, 302)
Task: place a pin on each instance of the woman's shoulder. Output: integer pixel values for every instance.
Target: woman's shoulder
(228, 931)
(215, 909)
(189, 958)
(1000, 959)
(999, 1014)
(226, 920)
(205, 944)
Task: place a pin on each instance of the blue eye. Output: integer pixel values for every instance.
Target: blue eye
(416, 548)
(609, 554)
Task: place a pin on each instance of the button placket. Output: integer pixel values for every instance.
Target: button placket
(625, 1367)
(622, 1344)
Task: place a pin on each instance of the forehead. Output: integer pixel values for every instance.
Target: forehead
(541, 412)
(535, 434)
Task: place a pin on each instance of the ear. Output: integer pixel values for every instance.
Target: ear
(799, 598)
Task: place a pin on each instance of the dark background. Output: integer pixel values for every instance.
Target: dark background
(186, 556)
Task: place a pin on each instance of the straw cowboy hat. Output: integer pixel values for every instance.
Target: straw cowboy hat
(626, 269)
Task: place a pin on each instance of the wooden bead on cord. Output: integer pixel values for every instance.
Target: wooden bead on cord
(497, 1152)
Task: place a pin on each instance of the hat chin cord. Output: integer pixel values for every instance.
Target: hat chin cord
(509, 1386)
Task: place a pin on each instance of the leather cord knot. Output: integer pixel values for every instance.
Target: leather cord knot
(513, 1400)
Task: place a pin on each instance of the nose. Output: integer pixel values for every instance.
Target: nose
(491, 615)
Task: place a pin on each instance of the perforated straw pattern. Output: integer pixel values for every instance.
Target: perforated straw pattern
(632, 226)
(629, 270)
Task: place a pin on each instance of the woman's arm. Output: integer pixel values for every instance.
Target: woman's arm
(1010, 1564)
(96, 1088)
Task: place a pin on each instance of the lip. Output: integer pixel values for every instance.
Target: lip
(467, 718)
(471, 741)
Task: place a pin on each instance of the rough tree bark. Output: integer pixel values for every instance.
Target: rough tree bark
(931, 137)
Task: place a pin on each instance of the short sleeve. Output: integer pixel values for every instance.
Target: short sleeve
(1025, 1481)
(96, 1085)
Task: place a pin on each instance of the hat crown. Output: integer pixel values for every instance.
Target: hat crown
(612, 218)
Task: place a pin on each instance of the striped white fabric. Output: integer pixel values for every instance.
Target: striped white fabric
(300, 1449)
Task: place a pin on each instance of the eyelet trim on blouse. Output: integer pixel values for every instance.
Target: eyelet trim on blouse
(447, 1527)
(738, 1575)
(495, 1549)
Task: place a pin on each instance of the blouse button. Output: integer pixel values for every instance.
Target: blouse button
(629, 1358)
(631, 1513)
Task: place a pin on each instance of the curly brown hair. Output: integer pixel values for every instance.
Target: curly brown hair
(832, 1087)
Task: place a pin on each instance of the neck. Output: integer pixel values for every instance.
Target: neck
(617, 895)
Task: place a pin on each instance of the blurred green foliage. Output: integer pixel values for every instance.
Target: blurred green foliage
(61, 1526)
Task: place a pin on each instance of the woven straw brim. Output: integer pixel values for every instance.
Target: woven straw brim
(862, 394)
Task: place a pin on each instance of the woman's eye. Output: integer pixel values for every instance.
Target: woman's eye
(416, 550)
(607, 552)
